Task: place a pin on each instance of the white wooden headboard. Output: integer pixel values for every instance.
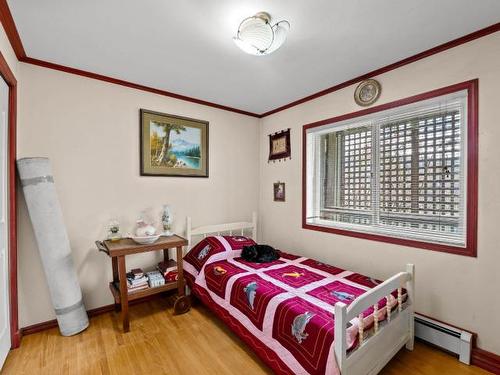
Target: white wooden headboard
(237, 228)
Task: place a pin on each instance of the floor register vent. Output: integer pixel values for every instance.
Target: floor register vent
(449, 338)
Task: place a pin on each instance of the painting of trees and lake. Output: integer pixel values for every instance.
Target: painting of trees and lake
(173, 145)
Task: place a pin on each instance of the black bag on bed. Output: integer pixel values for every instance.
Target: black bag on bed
(259, 254)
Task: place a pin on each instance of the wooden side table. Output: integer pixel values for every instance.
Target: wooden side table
(118, 250)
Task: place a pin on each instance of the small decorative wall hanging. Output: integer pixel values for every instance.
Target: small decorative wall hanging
(367, 92)
(279, 145)
(173, 145)
(279, 191)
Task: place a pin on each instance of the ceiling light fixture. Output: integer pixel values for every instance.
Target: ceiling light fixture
(257, 36)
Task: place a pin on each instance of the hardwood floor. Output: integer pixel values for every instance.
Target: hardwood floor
(160, 343)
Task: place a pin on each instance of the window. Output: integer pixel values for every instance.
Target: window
(404, 172)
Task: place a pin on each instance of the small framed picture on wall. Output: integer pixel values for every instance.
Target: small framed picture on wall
(279, 191)
(279, 146)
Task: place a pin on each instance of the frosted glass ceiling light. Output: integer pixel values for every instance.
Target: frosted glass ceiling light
(257, 36)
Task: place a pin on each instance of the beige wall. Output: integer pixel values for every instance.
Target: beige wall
(90, 129)
(460, 290)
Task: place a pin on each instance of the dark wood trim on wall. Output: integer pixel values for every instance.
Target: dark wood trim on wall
(486, 360)
(49, 324)
(13, 35)
(116, 81)
(11, 30)
(11, 81)
(472, 173)
(443, 47)
(38, 327)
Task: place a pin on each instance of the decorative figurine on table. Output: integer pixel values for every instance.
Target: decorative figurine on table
(114, 230)
(167, 220)
(145, 233)
(144, 229)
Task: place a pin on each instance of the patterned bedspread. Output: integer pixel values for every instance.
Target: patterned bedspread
(284, 310)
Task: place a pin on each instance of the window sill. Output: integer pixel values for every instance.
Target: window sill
(470, 250)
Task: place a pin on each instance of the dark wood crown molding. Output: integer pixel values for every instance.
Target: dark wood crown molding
(116, 81)
(13, 35)
(443, 47)
(11, 30)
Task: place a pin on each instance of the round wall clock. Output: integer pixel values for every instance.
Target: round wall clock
(367, 92)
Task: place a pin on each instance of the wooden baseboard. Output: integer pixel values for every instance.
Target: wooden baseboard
(486, 360)
(35, 328)
(38, 327)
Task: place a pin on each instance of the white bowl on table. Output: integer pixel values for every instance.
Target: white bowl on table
(145, 240)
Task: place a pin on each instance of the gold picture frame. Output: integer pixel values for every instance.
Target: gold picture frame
(172, 146)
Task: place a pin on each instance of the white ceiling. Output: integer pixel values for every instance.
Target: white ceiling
(185, 46)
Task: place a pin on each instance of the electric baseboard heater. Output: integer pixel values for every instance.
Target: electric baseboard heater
(449, 338)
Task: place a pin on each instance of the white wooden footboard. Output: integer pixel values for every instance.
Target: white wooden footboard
(389, 335)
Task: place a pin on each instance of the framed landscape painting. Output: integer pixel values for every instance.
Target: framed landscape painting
(173, 145)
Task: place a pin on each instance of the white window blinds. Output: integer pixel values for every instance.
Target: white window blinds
(399, 172)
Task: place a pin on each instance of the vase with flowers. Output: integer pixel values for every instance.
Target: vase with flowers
(167, 220)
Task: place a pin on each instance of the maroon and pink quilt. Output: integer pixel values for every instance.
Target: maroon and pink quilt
(284, 310)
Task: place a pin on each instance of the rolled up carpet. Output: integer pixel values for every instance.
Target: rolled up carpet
(53, 244)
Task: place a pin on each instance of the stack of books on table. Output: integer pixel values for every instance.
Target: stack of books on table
(155, 278)
(168, 270)
(136, 280)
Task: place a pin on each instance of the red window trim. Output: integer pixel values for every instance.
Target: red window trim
(472, 170)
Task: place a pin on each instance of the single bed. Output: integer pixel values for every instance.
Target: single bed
(300, 316)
